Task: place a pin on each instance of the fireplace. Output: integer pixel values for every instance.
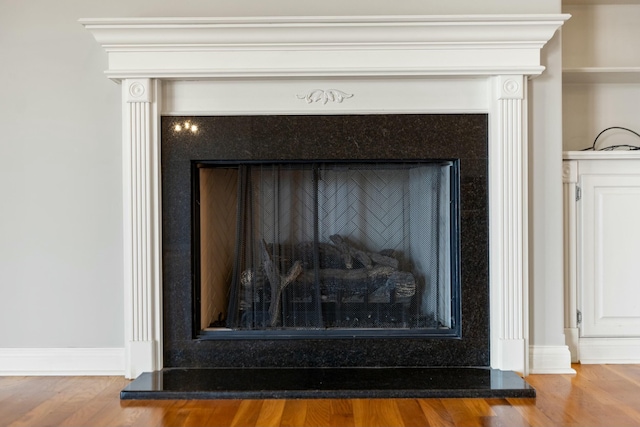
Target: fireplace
(342, 65)
(379, 248)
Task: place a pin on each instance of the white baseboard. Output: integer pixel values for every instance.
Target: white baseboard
(61, 361)
(609, 350)
(547, 359)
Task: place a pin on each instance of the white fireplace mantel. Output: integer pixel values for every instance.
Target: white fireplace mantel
(179, 48)
(300, 65)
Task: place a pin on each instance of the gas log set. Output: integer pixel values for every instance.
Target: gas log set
(350, 287)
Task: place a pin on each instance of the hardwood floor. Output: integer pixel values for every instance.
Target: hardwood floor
(599, 395)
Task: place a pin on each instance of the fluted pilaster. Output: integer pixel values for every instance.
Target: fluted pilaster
(142, 240)
(508, 224)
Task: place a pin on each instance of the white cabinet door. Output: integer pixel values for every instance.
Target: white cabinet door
(609, 226)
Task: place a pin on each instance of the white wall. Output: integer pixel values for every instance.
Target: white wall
(545, 198)
(60, 215)
(60, 208)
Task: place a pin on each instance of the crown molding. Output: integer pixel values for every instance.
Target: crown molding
(446, 45)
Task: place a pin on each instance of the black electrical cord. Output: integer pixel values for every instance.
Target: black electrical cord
(614, 147)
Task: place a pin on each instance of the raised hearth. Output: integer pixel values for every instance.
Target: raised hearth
(335, 383)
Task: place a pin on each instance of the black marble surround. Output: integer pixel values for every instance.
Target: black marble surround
(358, 137)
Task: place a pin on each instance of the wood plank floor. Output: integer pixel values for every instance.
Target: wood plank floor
(599, 395)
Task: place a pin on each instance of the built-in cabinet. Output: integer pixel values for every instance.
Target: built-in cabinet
(602, 247)
(601, 89)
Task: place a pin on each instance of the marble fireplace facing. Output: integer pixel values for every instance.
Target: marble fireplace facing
(365, 66)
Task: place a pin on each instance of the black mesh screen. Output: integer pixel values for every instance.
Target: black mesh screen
(355, 245)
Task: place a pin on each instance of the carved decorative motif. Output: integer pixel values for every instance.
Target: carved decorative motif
(511, 87)
(324, 96)
(138, 90)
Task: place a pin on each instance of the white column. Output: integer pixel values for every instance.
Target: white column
(571, 331)
(142, 226)
(508, 226)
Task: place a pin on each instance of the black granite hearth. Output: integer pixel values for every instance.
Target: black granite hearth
(294, 383)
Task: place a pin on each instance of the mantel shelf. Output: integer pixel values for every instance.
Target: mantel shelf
(302, 46)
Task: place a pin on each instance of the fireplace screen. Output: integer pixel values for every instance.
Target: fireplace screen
(331, 246)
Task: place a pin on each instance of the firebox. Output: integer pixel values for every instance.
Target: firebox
(325, 240)
(329, 248)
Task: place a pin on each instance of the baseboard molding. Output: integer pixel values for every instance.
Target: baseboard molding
(61, 361)
(609, 350)
(547, 359)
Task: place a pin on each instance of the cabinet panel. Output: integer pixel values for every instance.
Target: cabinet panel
(609, 297)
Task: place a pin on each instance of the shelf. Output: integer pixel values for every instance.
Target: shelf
(601, 155)
(597, 2)
(602, 75)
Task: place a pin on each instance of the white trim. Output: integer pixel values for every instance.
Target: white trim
(609, 350)
(601, 155)
(142, 231)
(419, 95)
(548, 359)
(570, 245)
(454, 45)
(61, 361)
(572, 339)
(508, 224)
